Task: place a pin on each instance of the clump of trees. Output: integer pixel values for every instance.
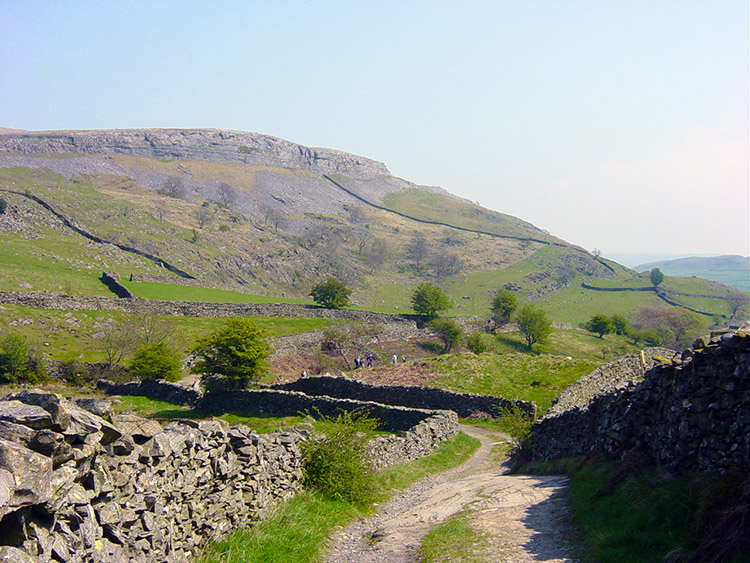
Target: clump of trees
(602, 324)
(677, 327)
(429, 300)
(331, 293)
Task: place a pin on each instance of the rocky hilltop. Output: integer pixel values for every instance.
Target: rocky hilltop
(199, 144)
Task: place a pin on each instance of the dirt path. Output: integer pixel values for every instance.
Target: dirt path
(524, 518)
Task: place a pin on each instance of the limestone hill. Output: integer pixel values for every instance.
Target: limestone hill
(262, 215)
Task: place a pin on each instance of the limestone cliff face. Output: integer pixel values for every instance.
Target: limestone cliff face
(201, 144)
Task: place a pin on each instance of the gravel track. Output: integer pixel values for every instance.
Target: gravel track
(524, 518)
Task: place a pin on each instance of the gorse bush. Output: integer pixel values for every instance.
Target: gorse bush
(338, 463)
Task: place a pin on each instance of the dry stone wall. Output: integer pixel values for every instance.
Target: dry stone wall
(464, 404)
(79, 483)
(86, 485)
(691, 411)
(43, 300)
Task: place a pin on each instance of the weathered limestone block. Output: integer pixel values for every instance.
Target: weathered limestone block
(139, 428)
(31, 472)
(51, 402)
(32, 416)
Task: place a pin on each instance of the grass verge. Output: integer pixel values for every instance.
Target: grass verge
(630, 513)
(298, 529)
(453, 540)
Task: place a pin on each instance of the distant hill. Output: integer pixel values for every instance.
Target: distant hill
(730, 269)
(258, 214)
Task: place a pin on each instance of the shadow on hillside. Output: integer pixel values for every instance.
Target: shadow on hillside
(515, 344)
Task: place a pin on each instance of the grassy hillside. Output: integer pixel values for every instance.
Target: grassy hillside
(262, 257)
(455, 211)
(76, 335)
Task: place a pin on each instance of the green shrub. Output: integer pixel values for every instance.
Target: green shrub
(3, 205)
(338, 464)
(14, 355)
(448, 332)
(239, 350)
(19, 361)
(223, 227)
(331, 293)
(155, 361)
(476, 343)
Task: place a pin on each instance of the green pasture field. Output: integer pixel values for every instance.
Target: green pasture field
(61, 262)
(454, 211)
(510, 371)
(176, 292)
(72, 335)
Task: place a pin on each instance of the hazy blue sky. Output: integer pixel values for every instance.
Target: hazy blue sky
(620, 125)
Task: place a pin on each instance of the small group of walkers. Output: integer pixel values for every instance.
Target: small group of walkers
(363, 362)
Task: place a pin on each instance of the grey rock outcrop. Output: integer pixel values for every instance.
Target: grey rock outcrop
(201, 144)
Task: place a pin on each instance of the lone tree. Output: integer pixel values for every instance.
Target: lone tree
(226, 194)
(534, 324)
(173, 186)
(238, 350)
(656, 277)
(600, 324)
(3, 205)
(503, 305)
(331, 293)
(429, 300)
(448, 332)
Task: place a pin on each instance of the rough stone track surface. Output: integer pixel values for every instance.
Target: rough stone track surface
(524, 518)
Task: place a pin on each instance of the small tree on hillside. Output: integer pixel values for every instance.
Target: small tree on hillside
(239, 350)
(600, 324)
(429, 300)
(620, 324)
(448, 332)
(227, 195)
(738, 302)
(156, 361)
(417, 250)
(534, 324)
(503, 304)
(173, 186)
(331, 293)
(3, 205)
(656, 277)
(203, 216)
